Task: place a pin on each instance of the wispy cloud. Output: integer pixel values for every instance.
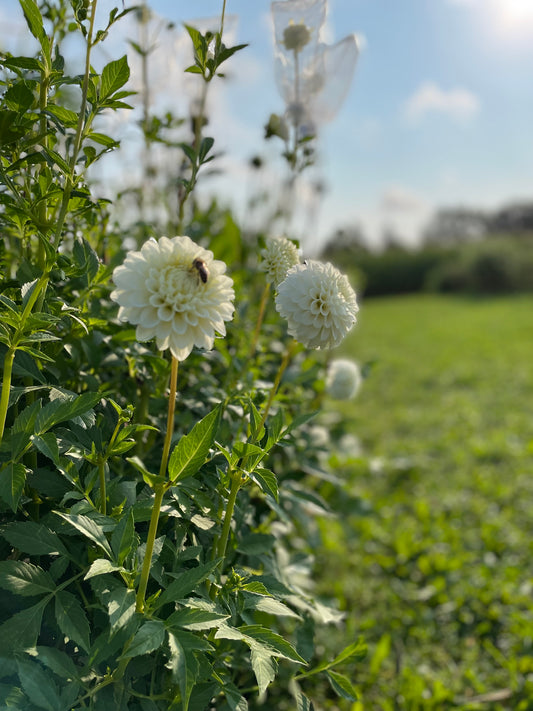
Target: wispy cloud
(458, 103)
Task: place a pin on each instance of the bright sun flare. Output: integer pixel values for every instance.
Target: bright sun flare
(511, 17)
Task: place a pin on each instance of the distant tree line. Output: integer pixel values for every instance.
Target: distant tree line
(461, 250)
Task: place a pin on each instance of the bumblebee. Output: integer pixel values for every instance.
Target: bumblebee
(201, 268)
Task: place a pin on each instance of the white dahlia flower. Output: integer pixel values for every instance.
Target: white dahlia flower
(279, 255)
(174, 291)
(343, 379)
(319, 304)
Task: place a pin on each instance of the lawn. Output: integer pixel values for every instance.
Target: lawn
(431, 556)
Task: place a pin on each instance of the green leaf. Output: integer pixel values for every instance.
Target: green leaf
(25, 579)
(267, 481)
(279, 647)
(192, 449)
(34, 19)
(101, 566)
(183, 667)
(121, 607)
(123, 538)
(65, 116)
(114, 75)
(342, 686)
(149, 637)
(89, 529)
(38, 686)
(12, 481)
(71, 619)
(47, 445)
(59, 662)
(194, 619)
(22, 629)
(60, 409)
(269, 605)
(302, 702)
(186, 582)
(33, 538)
(235, 700)
(357, 650)
(264, 667)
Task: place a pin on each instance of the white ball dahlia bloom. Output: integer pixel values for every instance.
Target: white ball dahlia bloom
(343, 379)
(174, 291)
(279, 255)
(319, 304)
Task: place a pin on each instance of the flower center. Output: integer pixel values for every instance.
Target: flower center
(174, 285)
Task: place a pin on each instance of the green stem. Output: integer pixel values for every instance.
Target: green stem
(260, 317)
(6, 388)
(159, 491)
(234, 490)
(283, 365)
(152, 533)
(101, 476)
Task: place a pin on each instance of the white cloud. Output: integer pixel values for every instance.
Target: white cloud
(458, 103)
(396, 198)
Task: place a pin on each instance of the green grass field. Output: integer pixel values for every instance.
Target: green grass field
(432, 554)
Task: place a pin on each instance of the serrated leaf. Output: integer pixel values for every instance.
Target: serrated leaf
(192, 449)
(186, 582)
(33, 538)
(101, 566)
(269, 605)
(149, 637)
(12, 481)
(89, 529)
(59, 662)
(123, 538)
(342, 686)
(71, 619)
(114, 75)
(22, 629)
(357, 650)
(279, 647)
(47, 445)
(183, 667)
(38, 686)
(66, 116)
(25, 579)
(59, 410)
(33, 19)
(267, 481)
(264, 667)
(194, 619)
(235, 700)
(121, 607)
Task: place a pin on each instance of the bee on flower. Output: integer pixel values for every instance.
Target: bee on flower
(174, 290)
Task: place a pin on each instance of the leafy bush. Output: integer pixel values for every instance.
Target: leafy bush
(147, 561)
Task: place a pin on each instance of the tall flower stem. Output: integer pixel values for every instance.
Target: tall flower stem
(236, 481)
(260, 317)
(159, 490)
(273, 391)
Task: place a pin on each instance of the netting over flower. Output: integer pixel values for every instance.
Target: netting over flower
(319, 304)
(343, 379)
(313, 78)
(279, 255)
(173, 290)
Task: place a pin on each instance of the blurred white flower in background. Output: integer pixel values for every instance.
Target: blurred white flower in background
(343, 379)
(174, 291)
(279, 255)
(319, 304)
(313, 78)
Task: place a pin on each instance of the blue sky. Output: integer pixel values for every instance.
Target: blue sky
(439, 112)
